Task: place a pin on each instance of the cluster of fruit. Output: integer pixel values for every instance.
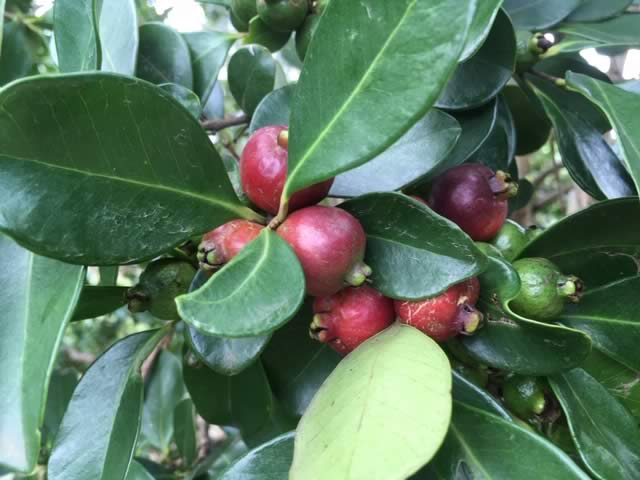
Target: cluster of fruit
(281, 17)
(330, 244)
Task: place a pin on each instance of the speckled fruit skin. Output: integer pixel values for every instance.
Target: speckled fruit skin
(442, 317)
(538, 298)
(469, 291)
(283, 15)
(329, 243)
(226, 241)
(351, 316)
(263, 172)
(433, 316)
(463, 195)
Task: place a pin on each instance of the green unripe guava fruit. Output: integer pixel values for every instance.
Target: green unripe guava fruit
(283, 15)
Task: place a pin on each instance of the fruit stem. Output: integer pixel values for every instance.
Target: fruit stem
(571, 287)
(502, 185)
(282, 214)
(358, 274)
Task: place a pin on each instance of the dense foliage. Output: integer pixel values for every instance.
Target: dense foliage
(278, 247)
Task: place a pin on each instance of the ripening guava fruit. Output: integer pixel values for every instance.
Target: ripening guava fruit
(445, 316)
(474, 197)
(346, 319)
(225, 242)
(160, 283)
(330, 244)
(283, 15)
(544, 290)
(524, 396)
(263, 172)
(510, 240)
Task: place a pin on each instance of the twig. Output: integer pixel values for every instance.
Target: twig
(79, 358)
(217, 124)
(545, 173)
(553, 197)
(149, 363)
(557, 81)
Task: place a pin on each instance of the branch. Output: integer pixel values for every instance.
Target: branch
(556, 167)
(553, 197)
(217, 124)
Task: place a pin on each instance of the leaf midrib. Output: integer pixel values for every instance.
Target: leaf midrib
(130, 181)
(352, 96)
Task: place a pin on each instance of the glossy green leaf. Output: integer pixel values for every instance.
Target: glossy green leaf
(261, 34)
(252, 75)
(621, 382)
(480, 78)
(532, 125)
(269, 461)
(184, 428)
(473, 396)
(621, 108)
(596, 10)
(2, 4)
(143, 161)
(244, 401)
(526, 347)
(92, 35)
(513, 343)
(208, 53)
(558, 66)
(539, 14)
(480, 27)
(600, 244)
(163, 391)
(227, 356)
(610, 316)
(137, 471)
(399, 379)
(296, 364)
(631, 86)
(254, 294)
(498, 149)
(403, 46)
(483, 443)
(97, 301)
(620, 31)
(419, 151)
(274, 109)
(606, 435)
(113, 387)
(38, 296)
(163, 56)
(477, 125)
(587, 156)
(414, 253)
(185, 97)
(16, 57)
(61, 389)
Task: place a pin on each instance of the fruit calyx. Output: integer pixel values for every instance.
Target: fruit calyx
(283, 139)
(503, 186)
(138, 300)
(571, 287)
(469, 319)
(358, 274)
